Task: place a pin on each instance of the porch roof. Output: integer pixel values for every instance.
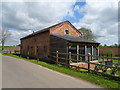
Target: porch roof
(74, 39)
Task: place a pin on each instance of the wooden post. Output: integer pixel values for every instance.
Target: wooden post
(107, 57)
(92, 54)
(77, 53)
(27, 57)
(37, 60)
(69, 58)
(111, 57)
(85, 52)
(98, 51)
(102, 58)
(56, 57)
(88, 62)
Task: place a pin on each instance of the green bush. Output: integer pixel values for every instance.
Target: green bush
(109, 53)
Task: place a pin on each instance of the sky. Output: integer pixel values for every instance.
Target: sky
(23, 17)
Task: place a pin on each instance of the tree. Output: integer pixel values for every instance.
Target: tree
(110, 52)
(87, 34)
(100, 45)
(119, 46)
(4, 35)
(115, 45)
(105, 45)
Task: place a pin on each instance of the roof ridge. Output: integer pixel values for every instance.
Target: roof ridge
(45, 29)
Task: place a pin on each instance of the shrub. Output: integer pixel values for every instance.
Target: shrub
(109, 53)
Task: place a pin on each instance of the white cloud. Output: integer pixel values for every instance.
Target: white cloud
(70, 13)
(24, 16)
(27, 15)
(14, 39)
(102, 19)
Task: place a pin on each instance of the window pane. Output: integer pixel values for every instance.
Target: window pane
(66, 31)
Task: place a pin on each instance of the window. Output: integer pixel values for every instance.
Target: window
(66, 31)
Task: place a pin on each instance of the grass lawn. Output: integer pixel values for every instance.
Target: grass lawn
(117, 73)
(94, 78)
(118, 61)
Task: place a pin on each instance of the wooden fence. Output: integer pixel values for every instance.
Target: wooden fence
(101, 65)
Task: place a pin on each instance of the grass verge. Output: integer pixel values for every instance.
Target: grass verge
(96, 79)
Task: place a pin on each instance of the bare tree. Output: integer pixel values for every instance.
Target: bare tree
(4, 35)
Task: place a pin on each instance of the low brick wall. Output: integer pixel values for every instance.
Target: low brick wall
(102, 50)
(11, 49)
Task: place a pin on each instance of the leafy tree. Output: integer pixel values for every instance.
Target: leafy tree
(87, 34)
(105, 45)
(119, 46)
(115, 45)
(100, 45)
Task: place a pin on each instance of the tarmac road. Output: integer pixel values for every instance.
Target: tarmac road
(17, 73)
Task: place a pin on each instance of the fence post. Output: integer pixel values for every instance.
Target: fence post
(56, 57)
(69, 58)
(37, 60)
(111, 57)
(88, 62)
(27, 57)
(102, 58)
(107, 57)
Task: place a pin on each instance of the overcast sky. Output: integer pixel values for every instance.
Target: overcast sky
(22, 18)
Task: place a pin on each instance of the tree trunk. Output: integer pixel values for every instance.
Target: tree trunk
(2, 45)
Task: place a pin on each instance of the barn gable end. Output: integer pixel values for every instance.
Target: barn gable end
(61, 29)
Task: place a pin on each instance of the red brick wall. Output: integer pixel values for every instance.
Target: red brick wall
(60, 29)
(11, 48)
(42, 39)
(102, 50)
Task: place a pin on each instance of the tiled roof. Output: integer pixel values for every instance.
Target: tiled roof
(74, 39)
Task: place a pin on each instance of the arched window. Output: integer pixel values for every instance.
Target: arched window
(66, 32)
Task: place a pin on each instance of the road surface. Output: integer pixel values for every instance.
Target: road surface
(17, 73)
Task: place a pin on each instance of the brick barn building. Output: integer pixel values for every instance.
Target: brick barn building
(62, 37)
